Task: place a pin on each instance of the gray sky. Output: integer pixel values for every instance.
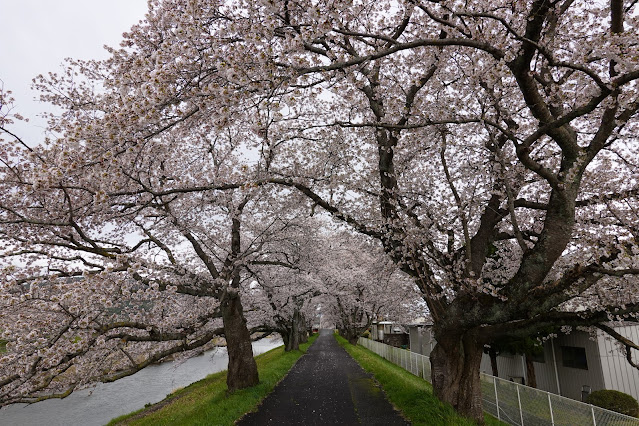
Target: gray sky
(36, 36)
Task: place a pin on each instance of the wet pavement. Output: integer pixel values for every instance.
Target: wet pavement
(325, 387)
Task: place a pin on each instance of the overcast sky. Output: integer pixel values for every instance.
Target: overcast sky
(36, 36)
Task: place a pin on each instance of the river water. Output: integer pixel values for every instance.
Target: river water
(97, 405)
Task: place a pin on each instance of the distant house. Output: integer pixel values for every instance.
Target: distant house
(572, 365)
(390, 333)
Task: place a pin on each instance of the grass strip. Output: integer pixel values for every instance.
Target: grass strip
(410, 394)
(207, 403)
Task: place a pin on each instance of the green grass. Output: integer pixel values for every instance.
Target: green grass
(206, 402)
(412, 395)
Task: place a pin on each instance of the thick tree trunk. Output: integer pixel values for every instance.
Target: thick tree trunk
(353, 338)
(455, 362)
(242, 370)
(292, 343)
(349, 334)
(293, 331)
(530, 373)
(285, 338)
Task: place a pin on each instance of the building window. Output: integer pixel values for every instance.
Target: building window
(574, 357)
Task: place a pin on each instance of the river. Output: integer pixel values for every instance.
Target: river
(97, 405)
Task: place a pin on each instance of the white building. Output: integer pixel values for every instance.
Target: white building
(572, 365)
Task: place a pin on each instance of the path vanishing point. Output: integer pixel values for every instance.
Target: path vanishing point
(325, 387)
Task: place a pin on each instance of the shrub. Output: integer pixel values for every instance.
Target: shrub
(367, 334)
(615, 401)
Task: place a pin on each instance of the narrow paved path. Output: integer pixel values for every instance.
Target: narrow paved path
(325, 387)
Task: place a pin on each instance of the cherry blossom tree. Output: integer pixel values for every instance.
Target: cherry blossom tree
(112, 261)
(285, 302)
(489, 146)
(284, 286)
(347, 275)
(360, 285)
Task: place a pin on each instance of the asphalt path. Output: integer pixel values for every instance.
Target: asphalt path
(325, 387)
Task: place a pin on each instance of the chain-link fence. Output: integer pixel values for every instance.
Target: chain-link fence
(511, 402)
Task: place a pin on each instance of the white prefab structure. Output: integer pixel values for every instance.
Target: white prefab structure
(572, 365)
(421, 338)
(617, 372)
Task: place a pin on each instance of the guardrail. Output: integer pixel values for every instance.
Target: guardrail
(511, 402)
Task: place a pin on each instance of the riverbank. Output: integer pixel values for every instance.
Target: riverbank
(97, 405)
(207, 402)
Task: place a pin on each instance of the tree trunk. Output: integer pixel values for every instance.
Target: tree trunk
(455, 362)
(294, 332)
(285, 333)
(530, 373)
(293, 341)
(242, 370)
(492, 353)
(349, 334)
(302, 329)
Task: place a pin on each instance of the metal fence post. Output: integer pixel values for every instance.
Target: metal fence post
(552, 415)
(592, 411)
(496, 397)
(521, 413)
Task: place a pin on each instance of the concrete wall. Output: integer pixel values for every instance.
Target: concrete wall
(421, 340)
